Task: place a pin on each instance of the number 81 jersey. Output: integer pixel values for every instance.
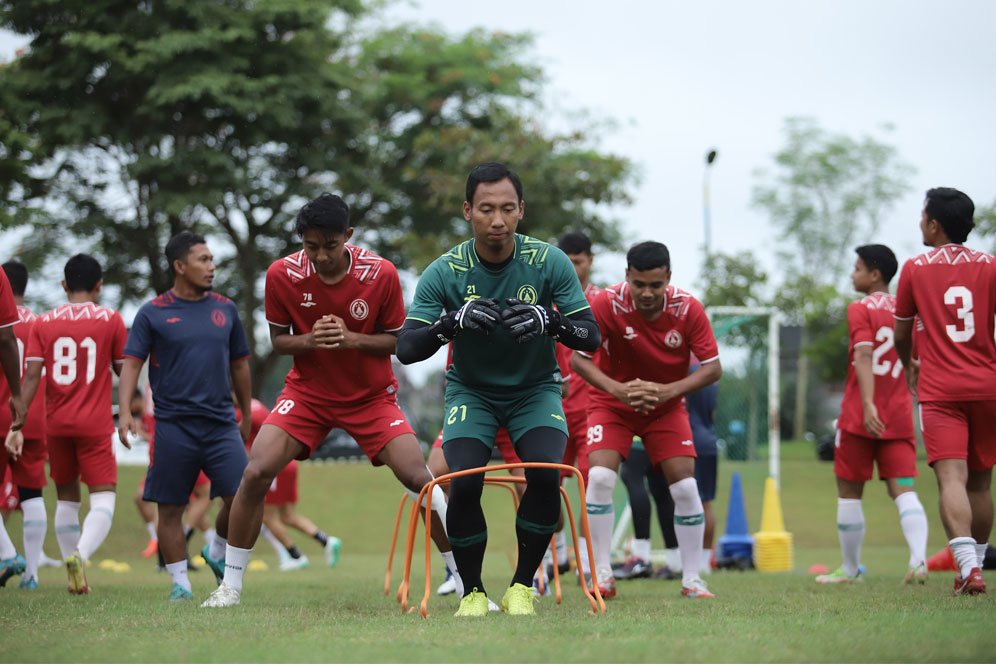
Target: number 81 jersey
(871, 322)
(78, 342)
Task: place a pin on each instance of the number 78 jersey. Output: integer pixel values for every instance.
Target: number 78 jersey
(78, 344)
(953, 290)
(870, 322)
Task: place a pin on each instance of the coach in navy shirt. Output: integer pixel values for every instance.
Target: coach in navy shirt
(198, 354)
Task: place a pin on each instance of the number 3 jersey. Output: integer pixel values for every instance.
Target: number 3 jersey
(870, 322)
(953, 290)
(78, 342)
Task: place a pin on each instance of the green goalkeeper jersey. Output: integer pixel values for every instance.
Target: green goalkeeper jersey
(538, 273)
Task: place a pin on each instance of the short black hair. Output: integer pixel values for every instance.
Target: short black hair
(574, 242)
(17, 275)
(82, 273)
(179, 246)
(878, 257)
(953, 210)
(491, 171)
(328, 213)
(648, 256)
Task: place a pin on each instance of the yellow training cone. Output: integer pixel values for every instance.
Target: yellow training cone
(258, 565)
(772, 544)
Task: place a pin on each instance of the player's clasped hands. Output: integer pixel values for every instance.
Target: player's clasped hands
(330, 333)
(643, 396)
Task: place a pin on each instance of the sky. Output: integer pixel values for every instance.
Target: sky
(677, 79)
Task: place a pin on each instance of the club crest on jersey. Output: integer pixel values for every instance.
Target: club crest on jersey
(219, 318)
(630, 334)
(308, 301)
(673, 339)
(359, 309)
(527, 294)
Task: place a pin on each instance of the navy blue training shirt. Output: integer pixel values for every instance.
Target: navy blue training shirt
(701, 405)
(191, 345)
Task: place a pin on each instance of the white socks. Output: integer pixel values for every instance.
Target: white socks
(7, 549)
(965, 554)
(97, 523)
(35, 525)
(689, 526)
(178, 571)
(67, 526)
(236, 561)
(641, 549)
(450, 562)
(560, 542)
(673, 559)
(980, 552)
(913, 520)
(151, 527)
(274, 542)
(601, 518)
(217, 549)
(581, 555)
(705, 567)
(851, 532)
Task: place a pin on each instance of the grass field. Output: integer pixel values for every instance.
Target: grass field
(320, 614)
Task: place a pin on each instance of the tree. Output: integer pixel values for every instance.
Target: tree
(128, 122)
(985, 223)
(827, 195)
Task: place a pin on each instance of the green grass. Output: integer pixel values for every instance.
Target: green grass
(341, 615)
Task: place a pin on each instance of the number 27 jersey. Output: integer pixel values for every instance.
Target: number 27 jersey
(953, 290)
(871, 322)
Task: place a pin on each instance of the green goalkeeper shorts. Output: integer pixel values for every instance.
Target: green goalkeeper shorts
(474, 412)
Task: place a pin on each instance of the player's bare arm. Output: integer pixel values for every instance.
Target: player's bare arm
(384, 343)
(10, 358)
(866, 385)
(242, 386)
(589, 371)
(31, 381)
(127, 384)
(903, 336)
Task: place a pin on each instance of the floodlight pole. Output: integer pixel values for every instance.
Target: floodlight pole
(706, 210)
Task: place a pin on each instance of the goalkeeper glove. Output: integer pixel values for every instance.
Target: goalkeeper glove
(526, 322)
(480, 315)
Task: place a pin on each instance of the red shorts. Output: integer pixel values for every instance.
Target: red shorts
(202, 480)
(89, 458)
(575, 453)
(960, 430)
(8, 493)
(855, 456)
(283, 490)
(502, 440)
(29, 469)
(373, 423)
(665, 435)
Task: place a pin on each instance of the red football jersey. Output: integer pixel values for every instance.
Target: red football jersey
(871, 322)
(257, 416)
(368, 298)
(953, 291)
(579, 389)
(34, 427)
(8, 308)
(78, 344)
(659, 351)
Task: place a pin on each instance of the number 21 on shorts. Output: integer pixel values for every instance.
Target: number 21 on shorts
(457, 413)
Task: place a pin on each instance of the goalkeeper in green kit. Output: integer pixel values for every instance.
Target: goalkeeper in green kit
(493, 297)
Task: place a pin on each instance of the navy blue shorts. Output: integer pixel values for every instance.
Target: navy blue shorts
(706, 468)
(183, 449)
